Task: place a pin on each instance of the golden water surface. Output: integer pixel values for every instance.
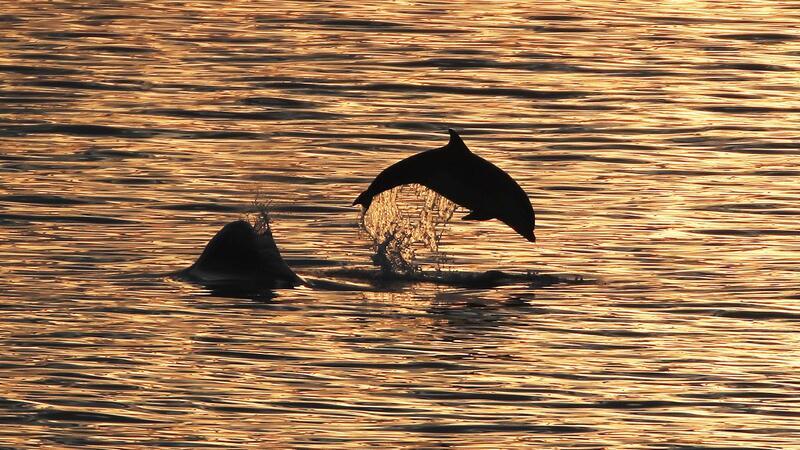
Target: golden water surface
(658, 142)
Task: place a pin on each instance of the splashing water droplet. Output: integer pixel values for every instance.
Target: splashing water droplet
(406, 225)
(258, 215)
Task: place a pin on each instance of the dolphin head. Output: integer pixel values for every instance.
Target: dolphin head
(526, 232)
(522, 220)
(529, 235)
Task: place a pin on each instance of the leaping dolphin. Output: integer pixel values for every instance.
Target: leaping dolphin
(464, 178)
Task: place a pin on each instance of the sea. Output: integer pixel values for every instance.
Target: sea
(657, 141)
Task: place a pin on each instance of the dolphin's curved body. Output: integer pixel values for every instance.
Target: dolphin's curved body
(464, 178)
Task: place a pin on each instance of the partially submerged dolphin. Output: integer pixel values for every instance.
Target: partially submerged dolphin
(241, 260)
(240, 255)
(463, 178)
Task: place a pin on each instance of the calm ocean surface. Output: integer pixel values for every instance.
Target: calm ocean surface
(658, 142)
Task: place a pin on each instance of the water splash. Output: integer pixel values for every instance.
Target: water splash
(406, 225)
(258, 215)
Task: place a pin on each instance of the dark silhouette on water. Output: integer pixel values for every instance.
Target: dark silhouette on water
(244, 261)
(240, 255)
(242, 258)
(464, 178)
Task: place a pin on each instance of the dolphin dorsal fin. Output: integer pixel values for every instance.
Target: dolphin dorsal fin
(456, 143)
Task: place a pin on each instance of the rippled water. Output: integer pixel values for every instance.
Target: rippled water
(658, 142)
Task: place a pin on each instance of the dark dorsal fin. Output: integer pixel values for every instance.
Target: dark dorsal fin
(455, 142)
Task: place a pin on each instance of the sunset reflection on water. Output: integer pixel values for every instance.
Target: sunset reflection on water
(657, 142)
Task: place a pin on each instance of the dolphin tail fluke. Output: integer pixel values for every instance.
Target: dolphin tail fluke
(363, 199)
(476, 215)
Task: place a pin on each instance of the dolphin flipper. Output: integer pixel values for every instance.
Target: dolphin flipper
(477, 215)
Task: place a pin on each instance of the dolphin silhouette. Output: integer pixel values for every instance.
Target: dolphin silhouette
(240, 255)
(464, 178)
(241, 261)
